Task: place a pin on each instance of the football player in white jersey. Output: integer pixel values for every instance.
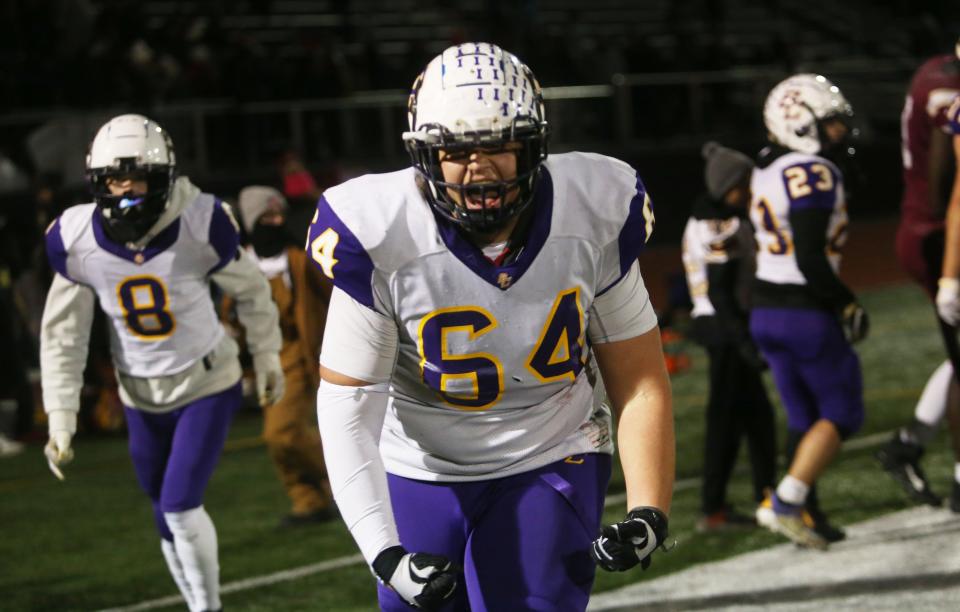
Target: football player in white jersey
(465, 447)
(804, 318)
(146, 250)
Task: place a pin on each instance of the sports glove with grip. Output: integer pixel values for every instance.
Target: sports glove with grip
(61, 424)
(855, 322)
(269, 377)
(422, 580)
(631, 541)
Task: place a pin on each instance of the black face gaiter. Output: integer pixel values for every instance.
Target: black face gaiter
(269, 240)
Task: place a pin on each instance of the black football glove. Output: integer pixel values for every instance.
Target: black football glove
(422, 580)
(631, 541)
(855, 322)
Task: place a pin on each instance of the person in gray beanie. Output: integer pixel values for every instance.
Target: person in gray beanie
(717, 258)
(727, 174)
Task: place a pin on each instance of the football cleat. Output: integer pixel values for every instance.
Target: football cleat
(817, 520)
(902, 461)
(793, 522)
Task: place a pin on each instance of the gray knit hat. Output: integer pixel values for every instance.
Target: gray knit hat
(724, 169)
(254, 201)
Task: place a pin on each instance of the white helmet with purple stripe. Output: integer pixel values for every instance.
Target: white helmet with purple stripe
(476, 95)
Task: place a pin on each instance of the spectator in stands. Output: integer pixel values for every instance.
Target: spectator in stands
(717, 256)
(301, 191)
(301, 294)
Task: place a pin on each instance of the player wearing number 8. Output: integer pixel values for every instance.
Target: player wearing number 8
(804, 318)
(147, 250)
(457, 404)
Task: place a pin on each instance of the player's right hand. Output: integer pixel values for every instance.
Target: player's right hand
(58, 451)
(269, 379)
(623, 545)
(422, 580)
(948, 300)
(855, 322)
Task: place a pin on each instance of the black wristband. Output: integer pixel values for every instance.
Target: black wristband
(387, 561)
(653, 517)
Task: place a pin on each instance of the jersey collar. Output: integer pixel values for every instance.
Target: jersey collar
(160, 243)
(504, 276)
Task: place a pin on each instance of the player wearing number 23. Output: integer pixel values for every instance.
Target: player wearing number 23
(465, 444)
(804, 318)
(147, 251)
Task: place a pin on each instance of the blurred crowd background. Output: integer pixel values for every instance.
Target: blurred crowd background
(302, 94)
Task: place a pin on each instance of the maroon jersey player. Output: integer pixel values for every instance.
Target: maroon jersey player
(928, 171)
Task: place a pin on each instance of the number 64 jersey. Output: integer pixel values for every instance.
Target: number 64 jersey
(491, 373)
(791, 183)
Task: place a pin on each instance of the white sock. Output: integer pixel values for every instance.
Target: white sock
(793, 490)
(176, 570)
(932, 404)
(956, 471)
(195, 540)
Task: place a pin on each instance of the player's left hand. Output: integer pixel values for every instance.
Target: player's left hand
(58, 452)
(948, 300)
(269, 376)
(631, 541)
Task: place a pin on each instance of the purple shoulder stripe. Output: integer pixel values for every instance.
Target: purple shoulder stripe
(336, 252)
(224, 235)
(811, 185)
(56, 251)
(635, 232)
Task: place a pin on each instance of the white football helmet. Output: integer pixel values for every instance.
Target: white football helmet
(796, 108)
(476, 95)
(131, 145)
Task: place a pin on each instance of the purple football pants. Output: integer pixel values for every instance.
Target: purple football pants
(814, 367)
(174, 453)
(522, 541)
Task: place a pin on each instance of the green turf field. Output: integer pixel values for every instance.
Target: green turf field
(89, 543)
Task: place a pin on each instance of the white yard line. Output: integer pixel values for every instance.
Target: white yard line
(340, 562)
(253, 583)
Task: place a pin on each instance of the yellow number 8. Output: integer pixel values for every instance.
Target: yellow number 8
(143, 300)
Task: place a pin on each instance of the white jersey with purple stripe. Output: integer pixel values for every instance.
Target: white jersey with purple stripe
(162, 318)
(490, 376)
(794, 182)
(710, 241)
